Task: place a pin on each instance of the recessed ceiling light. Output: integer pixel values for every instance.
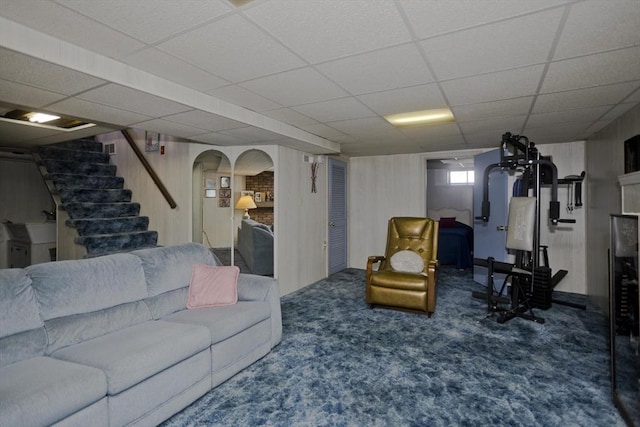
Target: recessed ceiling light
(37, 119)
(41, 117)
(424, 117)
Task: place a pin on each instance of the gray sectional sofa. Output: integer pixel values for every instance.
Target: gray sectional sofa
(255, 244)
(108, 341)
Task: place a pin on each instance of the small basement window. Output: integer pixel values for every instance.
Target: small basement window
(461, 177)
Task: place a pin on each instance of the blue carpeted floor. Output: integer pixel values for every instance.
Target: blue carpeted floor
(343, 364)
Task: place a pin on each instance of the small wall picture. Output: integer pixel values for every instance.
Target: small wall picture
(210, 183)
(246, 193)
(224, 203)
(257, 197)
(209, 193)
(225, 182)
(152, 141)
(225, 193)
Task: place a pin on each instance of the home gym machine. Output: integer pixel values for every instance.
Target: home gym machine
(531, 280)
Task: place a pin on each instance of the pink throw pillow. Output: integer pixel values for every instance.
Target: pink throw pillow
(213, 286)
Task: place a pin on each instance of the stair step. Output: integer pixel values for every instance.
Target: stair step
(81, 144)
(51, 152)
(90, 195)
(70, 180)
(89, 226)
(82, 168)
(101, 210)
(103, 244)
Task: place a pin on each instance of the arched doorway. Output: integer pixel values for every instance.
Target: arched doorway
(212, 203)
(254, 177)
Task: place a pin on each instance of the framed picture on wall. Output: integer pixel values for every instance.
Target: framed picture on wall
(225, 182)
(152, 141)
(210, 183)
(257, 197)
(210, 193)
(246, 193)
(225, 193)
(224, 203)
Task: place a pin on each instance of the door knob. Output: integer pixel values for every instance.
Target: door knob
(332, 224)
(502, 228)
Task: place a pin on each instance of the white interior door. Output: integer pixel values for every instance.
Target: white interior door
(337, 235)
(488, 240)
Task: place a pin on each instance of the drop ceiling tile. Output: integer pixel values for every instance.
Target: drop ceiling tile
(11, 133)
(634, 97)
(252, 134)
(499, 124)
(486, 110)
(27, 96)
(593, 70)
(429, 18)
(147, 20)
(65, 24)
(331, 29)
(449, 143)
(133, 100)
(204, 120)
(290, 116)
(385, 69)
(443, 131)
(34, 72)
(487, 139)
(618, 111)
(371, 127)
(595, 26)
(422, 97)
(551, 134)
(569, 116)
(244, 98)
(97, 112)
(302, 86)
(166, 127)
(493, 87)
(582, 98)
(323, 131)
(233, 49)
(380, 148)
(485, 49)
(335, 109)
(219, 139)
(171, 68)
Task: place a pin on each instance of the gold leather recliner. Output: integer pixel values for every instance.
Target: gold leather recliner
(411, 291)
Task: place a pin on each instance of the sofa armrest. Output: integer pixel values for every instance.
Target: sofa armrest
(263, 289)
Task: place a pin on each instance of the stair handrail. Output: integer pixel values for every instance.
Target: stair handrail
(149, 169)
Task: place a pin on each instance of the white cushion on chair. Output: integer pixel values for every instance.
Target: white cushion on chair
(407, 261)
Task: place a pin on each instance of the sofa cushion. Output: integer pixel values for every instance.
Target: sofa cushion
(69, 330)
(18, 306)
(132, 355)
(66, 288)
(213, 286)
(21, 330)
(42, 390)
(169, 268)
(224, 322)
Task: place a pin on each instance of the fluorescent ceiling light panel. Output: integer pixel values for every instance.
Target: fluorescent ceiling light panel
(424, 117)
(42, 117)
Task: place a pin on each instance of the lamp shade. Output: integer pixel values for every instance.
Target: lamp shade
(246, 202)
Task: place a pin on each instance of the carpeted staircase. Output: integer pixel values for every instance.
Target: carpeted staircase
(99, 208)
